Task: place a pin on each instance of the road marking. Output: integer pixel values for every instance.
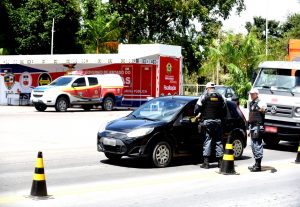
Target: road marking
(150, 181)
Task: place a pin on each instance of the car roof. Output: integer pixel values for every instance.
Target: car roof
(222, 86)
(178, 97)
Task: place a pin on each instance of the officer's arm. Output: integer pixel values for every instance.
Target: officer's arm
(198, 107)
(262, 107)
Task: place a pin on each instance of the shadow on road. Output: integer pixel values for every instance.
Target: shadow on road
(266, 168)
(176, 162)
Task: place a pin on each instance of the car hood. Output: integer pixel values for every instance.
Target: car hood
(127, 124)
(46, 88)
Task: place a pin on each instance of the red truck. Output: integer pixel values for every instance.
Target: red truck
(147, 70)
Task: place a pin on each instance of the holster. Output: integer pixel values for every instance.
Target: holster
(201, 127)
(256, 131)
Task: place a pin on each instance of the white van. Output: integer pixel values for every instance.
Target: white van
(84, 90)
(278, 83)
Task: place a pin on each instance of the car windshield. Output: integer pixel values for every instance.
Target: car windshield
(221, 90)
(276, 78)
(61, 81)
(161, 109)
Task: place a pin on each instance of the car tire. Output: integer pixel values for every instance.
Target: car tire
(61, 104)
(87, 107)
(271, 140)
(161, 154)
(108, 104)
(238, 147)
(40, 107)
(113, 157)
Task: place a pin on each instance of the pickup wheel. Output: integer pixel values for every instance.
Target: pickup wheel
(40, 107)
(108, 104)
(61, 104)
(161, 154)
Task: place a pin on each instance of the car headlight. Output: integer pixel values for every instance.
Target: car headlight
(297, 112)
(140, 132)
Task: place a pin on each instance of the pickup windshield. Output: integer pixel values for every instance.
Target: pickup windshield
(61, 81)
(278, 78)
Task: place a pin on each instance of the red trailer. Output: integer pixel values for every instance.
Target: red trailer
(148, 70)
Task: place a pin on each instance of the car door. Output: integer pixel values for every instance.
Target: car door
(185, 131)
(80, 90)
(94, 89)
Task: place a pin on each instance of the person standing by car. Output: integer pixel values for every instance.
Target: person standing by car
(256, 125)
(211, 109)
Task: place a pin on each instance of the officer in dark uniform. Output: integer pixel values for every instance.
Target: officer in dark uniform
(256, 126)
(211, 108)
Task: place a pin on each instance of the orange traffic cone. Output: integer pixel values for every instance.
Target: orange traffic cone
(227, 165)
(297, 161)
(39, 187)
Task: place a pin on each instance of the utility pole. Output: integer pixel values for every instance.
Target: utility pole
(52, 37)
(266, 29)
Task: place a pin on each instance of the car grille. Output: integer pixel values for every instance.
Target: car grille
(37, 95)
(279, 110)
(119, 148)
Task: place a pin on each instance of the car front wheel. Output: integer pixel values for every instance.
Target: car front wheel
(238, 148)
(40, 107)
(161, 154)
(61, 104)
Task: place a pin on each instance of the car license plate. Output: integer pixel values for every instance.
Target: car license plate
(111, 142)
(270, 129)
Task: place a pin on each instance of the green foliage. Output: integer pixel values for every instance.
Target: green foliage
(101, 33)
(259, 26)
(237, 57)
(292, 27)
(31, 22)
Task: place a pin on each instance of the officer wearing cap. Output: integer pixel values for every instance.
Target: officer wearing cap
(256, 126)
(211, 108)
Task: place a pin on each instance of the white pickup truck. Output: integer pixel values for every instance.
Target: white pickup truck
(278, 83)
(84, 90)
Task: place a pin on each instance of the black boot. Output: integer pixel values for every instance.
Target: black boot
(205, 163)
(256, 167)
(220, 159)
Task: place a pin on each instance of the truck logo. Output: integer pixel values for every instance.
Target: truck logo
(273, 109)
(9, 80)
(169, 68)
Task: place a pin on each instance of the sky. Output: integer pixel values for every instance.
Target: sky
(271, 9)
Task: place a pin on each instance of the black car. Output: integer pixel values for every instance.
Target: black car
(227, 92)
(163, 128)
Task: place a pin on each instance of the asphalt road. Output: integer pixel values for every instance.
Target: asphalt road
(78, 175)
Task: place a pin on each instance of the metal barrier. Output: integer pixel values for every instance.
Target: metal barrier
(192, 89)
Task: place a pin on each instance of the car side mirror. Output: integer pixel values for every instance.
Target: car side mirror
(75, 85)
(185, 120)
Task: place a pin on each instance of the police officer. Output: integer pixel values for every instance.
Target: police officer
(256, 123)
(212, 110)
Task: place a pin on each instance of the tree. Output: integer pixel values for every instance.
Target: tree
(100, 31)
(172, 22)
(6, 33)
(259, 25)
(291, 27)
(32, 23)
(236, 57)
